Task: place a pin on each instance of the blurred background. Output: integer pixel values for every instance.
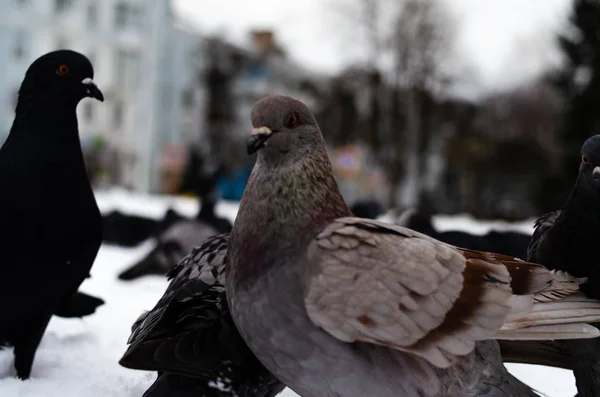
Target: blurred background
(450, 106)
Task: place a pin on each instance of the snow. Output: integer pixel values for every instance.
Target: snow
(80, 357)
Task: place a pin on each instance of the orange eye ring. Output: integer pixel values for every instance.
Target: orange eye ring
(584, 160)
(63, 70)
(292, 120)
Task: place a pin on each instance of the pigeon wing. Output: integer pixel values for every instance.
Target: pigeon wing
(170, 337)
(378, 283)
(542, 225)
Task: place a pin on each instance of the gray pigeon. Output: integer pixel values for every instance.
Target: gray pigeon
(335, 305)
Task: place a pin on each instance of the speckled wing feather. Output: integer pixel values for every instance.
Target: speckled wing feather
(190, 331)
(541, 225)
(378, 283)
(193, 280)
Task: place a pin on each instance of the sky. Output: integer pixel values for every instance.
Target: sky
(499, 43)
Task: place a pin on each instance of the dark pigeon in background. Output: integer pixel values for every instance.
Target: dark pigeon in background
(502, 242)
(370, 209)
(50, 225)
(509, 243)
(206, 190)
(80, 305)
(182, 236)
(128, 230)
(566, 240)
(190, 339)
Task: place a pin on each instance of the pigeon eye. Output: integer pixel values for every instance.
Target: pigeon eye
(63, 70)
(584, 160)
(292, 120)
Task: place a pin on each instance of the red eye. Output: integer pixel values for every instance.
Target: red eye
(584, 160)
(292, 120)
(63, 70)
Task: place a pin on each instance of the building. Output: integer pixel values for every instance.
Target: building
(142, 63)
(235, 76)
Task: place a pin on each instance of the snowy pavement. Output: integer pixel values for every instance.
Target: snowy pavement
(79, 358)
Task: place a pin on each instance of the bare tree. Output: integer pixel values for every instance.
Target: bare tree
(421, 42)
(366, 22)
(415, 38)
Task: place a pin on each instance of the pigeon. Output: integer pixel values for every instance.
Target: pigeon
(565, 240)
(190, 338)
(334, 305)
(509, 243)
(207, 214)
(366, 209)
(181, 237)
(50, 224)
(128, 230)
(171, 246)
(80, 305)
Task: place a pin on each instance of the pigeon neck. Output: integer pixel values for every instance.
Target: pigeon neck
(46, 119)
(581, 208)
(571, 243)
(207, 209)
(282, 210)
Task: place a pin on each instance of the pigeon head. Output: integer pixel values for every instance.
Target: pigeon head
(281, 124)
(60, 75)
(589, 169)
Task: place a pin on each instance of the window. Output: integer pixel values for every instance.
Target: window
(187, 98)
(166, 97)
(88, 111)
(127, 70)
(61, 5)
(126, 15)
(92, 15)
(118, 114)
(121, 11)
(20, 44)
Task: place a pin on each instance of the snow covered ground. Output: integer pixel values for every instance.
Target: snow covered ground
(79, 357)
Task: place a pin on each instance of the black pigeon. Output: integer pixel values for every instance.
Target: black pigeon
(566, 240)
(129, 230)
(501, 242)
(206, 190)
(50, 225)
(370, 209)
(189, 336)
(182, 236)
(80, 305)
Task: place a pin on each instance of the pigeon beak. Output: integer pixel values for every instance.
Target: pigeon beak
(258, 138)
(92, 89)
(596, 172)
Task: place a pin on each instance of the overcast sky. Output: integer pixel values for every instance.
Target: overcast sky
(502, 42)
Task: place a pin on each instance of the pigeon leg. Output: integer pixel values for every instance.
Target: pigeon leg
(27, 345)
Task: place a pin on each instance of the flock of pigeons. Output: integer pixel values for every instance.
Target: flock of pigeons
(299, 292)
